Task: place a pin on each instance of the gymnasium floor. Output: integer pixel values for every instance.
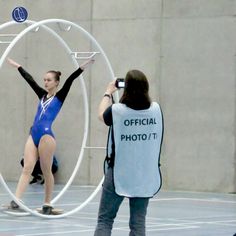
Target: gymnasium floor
(169, 213)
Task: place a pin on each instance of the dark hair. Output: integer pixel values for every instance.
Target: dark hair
(136, 90)
(57, 74)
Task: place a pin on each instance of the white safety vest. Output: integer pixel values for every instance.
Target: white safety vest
(138, 138)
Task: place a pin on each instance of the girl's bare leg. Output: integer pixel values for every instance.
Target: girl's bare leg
(30, 158)
(46, 150)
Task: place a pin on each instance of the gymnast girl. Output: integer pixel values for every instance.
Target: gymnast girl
(41, 141)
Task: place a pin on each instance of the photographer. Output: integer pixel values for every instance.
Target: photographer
(133, 153)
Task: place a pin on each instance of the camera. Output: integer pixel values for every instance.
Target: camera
(120, 83)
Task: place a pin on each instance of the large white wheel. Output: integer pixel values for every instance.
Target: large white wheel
(34, 26)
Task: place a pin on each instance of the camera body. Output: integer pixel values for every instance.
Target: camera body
(120, 83)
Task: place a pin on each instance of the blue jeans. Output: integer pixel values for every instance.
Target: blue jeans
(109, 206)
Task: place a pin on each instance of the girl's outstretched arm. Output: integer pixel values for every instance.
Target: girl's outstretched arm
(62, 93)
(29, 79)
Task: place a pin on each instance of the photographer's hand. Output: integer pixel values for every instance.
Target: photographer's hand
(106, 100)
(111, 88)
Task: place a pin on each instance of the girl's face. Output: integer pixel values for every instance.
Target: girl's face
(49, 82)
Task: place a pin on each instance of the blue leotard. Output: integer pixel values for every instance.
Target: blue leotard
(48, 108)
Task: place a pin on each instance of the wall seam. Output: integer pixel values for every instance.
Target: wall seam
(159, 86)
(90, 98)
(234, 162)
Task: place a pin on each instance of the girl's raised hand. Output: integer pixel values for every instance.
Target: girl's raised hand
(13, 63)
(88, 62)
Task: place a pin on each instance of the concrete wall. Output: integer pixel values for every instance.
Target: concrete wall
(187, 50)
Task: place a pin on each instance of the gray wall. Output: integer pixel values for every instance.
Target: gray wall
(187, 50)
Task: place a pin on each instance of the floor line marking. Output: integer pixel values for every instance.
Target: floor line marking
(56, 233)
(213, 200)
(174, 228)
